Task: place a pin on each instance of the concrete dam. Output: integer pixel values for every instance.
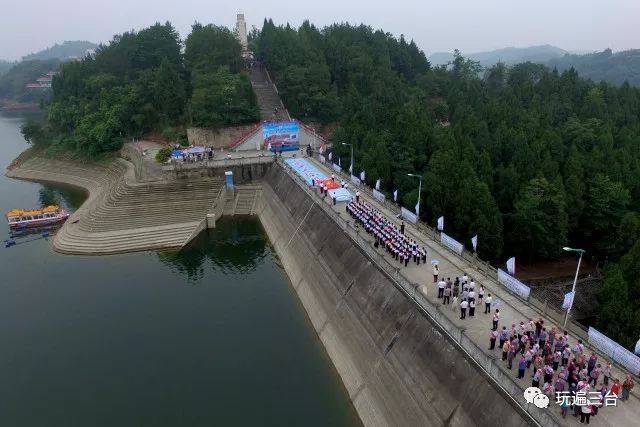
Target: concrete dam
(398, 367)
(400, 364)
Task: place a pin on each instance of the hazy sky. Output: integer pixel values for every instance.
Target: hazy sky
(469, 25)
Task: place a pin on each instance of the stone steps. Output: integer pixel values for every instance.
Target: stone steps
(267, 96)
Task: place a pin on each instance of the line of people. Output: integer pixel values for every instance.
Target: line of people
(387, 234)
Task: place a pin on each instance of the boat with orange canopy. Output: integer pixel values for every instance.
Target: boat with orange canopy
(49, 215)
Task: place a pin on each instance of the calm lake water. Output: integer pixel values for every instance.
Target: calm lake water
(210, 335)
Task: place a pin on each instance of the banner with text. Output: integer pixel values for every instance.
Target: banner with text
(407, 215)
(355, 180)
(615, 351)
(336, 167)
(281, 136)
(379, 196)
(451, 243)
(513, 284)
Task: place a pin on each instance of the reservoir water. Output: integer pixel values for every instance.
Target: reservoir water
(210, 335)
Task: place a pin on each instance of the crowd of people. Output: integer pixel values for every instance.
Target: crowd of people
(386, 234)
(192, 154)
(578, 382)
(462, 294)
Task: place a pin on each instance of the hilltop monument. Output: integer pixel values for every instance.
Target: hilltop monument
(241, 34)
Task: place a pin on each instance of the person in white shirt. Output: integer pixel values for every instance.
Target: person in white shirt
(487, 304)
(472, 296)
(465, 278)
(463, 309)
(441, 285)
(472, 308)
(480, 293)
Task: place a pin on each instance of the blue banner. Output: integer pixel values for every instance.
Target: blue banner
(281, 136)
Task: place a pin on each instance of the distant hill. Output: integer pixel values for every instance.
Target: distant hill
(5, 66)
(508, 55)
(65, 51)
(612, 67)
(13, 82)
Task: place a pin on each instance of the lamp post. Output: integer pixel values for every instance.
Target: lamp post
(419, 191)
(352, 165)
(575, 281)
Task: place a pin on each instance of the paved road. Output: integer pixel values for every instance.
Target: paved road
(512, 309)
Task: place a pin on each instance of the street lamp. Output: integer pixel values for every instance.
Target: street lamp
(575, 280)
(419, 191)
(352, 165)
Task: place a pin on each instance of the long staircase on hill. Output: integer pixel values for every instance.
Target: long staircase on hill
(271, 106)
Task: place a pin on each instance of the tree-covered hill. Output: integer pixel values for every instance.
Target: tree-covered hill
(76, 49)
(5, 66)
(142, 82)
(528, 158)
(611, 67)
(605, 66)
(13, 82)
(508, 55)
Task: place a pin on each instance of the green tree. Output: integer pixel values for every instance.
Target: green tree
(540, 219)
(606, 204)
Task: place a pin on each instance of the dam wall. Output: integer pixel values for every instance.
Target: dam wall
(398, 365)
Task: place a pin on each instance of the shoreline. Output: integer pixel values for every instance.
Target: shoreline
(105, 224)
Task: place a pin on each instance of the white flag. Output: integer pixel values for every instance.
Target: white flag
(362, 175)
(511, 265)
(395, 196)
(417, 209)
(474, 242)
(351, 168)
(339, 162)
(269, 147)
(330, 155)
(637, 349)
(568, 301)
(441, 223)
(378, 184)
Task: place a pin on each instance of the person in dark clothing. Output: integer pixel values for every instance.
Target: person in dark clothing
(402, 227)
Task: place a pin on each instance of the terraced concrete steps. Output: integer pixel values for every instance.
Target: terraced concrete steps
(121, 215)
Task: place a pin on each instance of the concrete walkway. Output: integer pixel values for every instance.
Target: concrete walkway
(512, 309)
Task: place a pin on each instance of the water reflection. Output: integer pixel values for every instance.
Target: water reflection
(68, 197)
(236, 245)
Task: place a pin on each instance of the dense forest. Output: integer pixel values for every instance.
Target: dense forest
(528, 158)
(615, 68)
(143, 82)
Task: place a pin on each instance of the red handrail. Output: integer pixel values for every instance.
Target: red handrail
(245, 136)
